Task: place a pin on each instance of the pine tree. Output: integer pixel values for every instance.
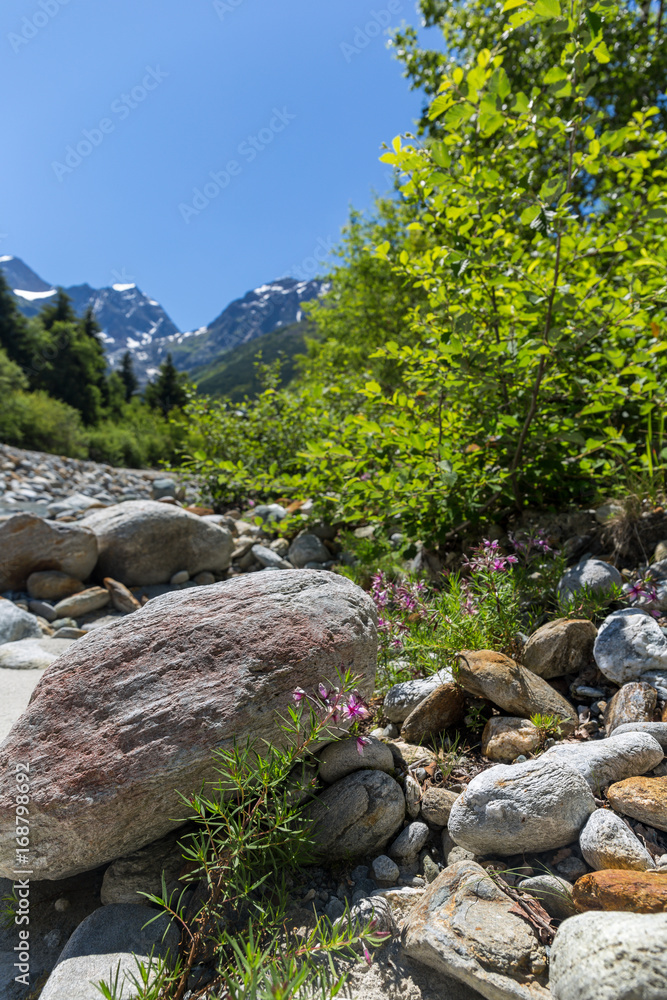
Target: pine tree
(168, 391)
(18, 337)
(130, 380)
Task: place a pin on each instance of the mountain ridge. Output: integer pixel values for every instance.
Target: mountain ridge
(131, 321)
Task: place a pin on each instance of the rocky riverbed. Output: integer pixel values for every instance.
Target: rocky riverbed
(139, 630)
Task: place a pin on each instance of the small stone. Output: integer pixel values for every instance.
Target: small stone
(269, 559)
(69, 633)
(306, 548)
(127, 878)
(555, 894)
(343, 757)
(412, 790)
(506, 737)
(634, 702)
(639, 892)
(204, 579)
(122, 599)
(607, 842)
(181, 577)
(607, 512)
(572, 868)
(405, 849)
(62, 904)
(431, 870)
(389, 732)
(164, 488)
(436, 804)
(42, 610)
(32, 654)
(592, 574)
(334, 909)
(384, 870)
(440, 709)
(562, 646)
(82, 604)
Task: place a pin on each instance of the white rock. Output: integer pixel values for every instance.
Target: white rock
(629, 643)
(602, 762)
(32, 654)
(658, 730)
(591, 573)
(537, 805)
(607, 842)
(17, 624)
(610, 956)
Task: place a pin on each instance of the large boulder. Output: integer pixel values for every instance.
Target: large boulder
(610, 956)
(131, 714)
(29, 544)
(538, 805)
(144, 542)
(629, 644)
(465, 926)
(517, 690)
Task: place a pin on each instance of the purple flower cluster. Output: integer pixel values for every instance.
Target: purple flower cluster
(332, 706)
(488, 557)
(394, 600)
(530, 544)
(644, 594)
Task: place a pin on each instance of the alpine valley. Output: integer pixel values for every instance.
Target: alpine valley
(132, 321)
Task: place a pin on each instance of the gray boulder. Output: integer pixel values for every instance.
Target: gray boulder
(105, 945)
(405, 849)
(17, 624)
(464, 926)
(629, 643)
(610, 956)
(131, 715)
(592, 574)
(601, 762)
(268, 558)
(145, 542)
(357, 815)
(127, 878)
(30, 544)
(307, 548)
(538, 805)
(343, 757)
(607, 842)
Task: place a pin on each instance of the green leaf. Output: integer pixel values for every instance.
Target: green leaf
(511, 4)
(530, 214)
(601, 53)
(547, 8)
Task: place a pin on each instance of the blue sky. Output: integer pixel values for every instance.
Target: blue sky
(115, 113)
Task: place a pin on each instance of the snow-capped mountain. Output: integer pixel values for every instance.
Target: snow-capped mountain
(131, 321)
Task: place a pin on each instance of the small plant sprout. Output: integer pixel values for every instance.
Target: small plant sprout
(548, 726)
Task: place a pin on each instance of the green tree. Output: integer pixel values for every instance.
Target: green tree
(22, 340)
(128, 376)
(169, 390)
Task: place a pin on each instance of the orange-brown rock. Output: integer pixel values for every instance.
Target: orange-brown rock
(642, 798)
(634, 702)
(562, 646)
(619, 889)
(515, 689)
(441, 708)
(506, 737)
